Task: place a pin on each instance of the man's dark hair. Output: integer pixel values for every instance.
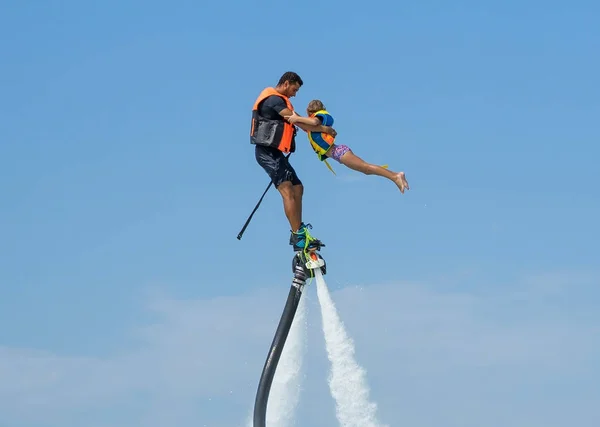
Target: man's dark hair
(291, 77)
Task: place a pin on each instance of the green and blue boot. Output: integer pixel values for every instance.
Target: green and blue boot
(302, 241)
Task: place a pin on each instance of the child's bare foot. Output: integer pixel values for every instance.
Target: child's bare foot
(401, 182)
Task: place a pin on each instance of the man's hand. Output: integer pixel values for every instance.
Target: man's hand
(329, 131)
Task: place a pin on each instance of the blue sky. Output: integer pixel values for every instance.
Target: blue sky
(126, 173)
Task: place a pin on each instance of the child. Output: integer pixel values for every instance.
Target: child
(324, 146)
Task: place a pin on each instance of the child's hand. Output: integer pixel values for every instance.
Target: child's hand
(293, 118)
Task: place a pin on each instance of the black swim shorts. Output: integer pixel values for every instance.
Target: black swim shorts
(276, 165)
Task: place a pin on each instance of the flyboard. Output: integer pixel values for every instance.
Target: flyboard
(304, 265)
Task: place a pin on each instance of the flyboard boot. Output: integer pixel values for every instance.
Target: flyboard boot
(306, 248)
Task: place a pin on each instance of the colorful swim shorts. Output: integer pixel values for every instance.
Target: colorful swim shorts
(337, 151)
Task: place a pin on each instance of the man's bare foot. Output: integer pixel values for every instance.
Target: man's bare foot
(401, 182)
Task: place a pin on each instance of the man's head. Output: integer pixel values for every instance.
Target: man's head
(289, 83)
(314, 106)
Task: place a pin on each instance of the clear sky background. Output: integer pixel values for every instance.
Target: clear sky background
(126, 173)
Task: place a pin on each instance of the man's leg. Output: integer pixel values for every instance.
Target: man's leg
(290, 187)
(285, 180)
(300, 238)
(298, 190)
(292, 203)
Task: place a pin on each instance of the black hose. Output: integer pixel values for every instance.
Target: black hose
(285, 323)
(301, 272)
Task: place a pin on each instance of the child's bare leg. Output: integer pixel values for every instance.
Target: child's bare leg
(354, 162)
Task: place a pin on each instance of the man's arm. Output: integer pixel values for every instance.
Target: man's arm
(317, 128)
(293, 118)
(308, 124)
(297, 119)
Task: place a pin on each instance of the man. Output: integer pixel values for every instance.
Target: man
(273, 136)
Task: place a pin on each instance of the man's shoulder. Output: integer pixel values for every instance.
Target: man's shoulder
(273, 102)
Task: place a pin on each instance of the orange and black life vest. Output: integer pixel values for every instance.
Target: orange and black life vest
(272, 133)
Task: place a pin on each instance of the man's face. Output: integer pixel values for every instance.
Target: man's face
(291, 89)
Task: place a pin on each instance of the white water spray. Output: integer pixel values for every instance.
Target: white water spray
(347, 379)
(286, 387)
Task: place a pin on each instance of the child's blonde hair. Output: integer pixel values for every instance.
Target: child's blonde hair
(314, 106)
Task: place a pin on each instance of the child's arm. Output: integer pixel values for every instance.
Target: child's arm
(310, 124)
(307, 124)
(317, 128)
(295, 119)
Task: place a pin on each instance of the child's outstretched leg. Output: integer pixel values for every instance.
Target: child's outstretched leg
(345, 156)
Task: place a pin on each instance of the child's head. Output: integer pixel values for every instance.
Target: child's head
(314, 106)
